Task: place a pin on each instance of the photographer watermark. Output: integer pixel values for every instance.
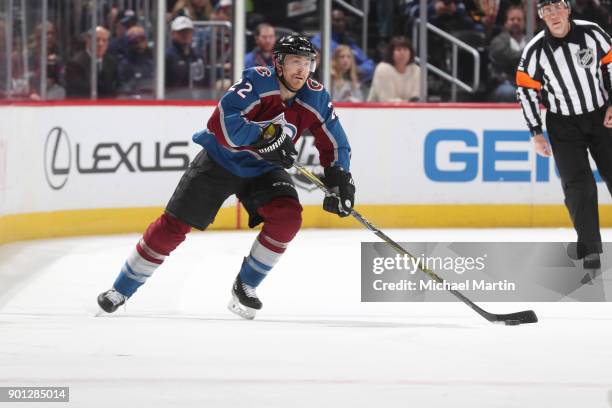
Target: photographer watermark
(457, 264)
(497, 271)
(450, 264)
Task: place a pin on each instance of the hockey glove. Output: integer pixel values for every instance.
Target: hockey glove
(276, 147)
(342, 188)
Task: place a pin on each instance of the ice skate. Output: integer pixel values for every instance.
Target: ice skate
(244, 301)
(110, 300)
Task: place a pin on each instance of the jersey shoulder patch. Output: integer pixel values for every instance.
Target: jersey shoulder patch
(262, 78)
(314, 85)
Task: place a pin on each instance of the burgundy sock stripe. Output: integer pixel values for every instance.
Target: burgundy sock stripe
(274, 242)
(266, 242)
(145, 255)
(150, 251)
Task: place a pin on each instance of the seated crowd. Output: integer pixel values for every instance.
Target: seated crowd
(386, 72)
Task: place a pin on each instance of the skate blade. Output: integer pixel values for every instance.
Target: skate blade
(235, 307)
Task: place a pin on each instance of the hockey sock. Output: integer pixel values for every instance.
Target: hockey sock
(160, 238)
(282, 220)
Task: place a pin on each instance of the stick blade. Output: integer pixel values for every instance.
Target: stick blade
(513, 319)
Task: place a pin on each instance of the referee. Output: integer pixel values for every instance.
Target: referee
(567, 67)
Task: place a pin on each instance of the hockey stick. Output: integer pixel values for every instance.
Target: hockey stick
(510, 319)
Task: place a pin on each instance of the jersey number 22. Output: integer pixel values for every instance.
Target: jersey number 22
(242, 92)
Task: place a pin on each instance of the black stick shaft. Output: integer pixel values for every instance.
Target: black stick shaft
(489, 316)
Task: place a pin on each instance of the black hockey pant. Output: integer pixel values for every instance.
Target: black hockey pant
(570, 137)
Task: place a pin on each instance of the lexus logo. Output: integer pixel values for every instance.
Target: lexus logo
(58, 158)
(108, 157)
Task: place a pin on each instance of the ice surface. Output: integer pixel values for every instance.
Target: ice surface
(313, 344)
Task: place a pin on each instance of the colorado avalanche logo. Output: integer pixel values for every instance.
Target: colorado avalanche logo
(277, 120)
(290, 130)
(263, 71)
(314, 85)
(585, 58)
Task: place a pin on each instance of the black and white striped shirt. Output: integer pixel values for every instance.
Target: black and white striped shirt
(570, 75)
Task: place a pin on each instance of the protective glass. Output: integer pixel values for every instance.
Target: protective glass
(301, 62)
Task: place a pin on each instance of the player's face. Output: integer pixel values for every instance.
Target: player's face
(296, 70)
(556, 17)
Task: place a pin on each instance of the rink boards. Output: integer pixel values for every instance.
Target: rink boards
(80, 168)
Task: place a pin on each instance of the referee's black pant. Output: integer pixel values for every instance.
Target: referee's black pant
(570, 137)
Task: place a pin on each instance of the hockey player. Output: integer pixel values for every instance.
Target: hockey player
(248, 141)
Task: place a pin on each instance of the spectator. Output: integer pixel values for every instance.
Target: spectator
(223, 46)
(470, 20)
(488, 12)
(365, 66)
(345, 86)
(497, 11)
(52, 46)
(397, 78)
(111, 18)
(265, 37)
(136, 67)
(222, 11)
(78, 69)
(19, 81)
(54, 89)
(183, 67)
(53, 56)
(196, 10)
(119, 44)
(54, 73)
(505, 53)
(449, 15)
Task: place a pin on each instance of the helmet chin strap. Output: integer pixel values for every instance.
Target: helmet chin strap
(284, 82)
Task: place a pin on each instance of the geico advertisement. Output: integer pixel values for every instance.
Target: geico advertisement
(446, 156)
